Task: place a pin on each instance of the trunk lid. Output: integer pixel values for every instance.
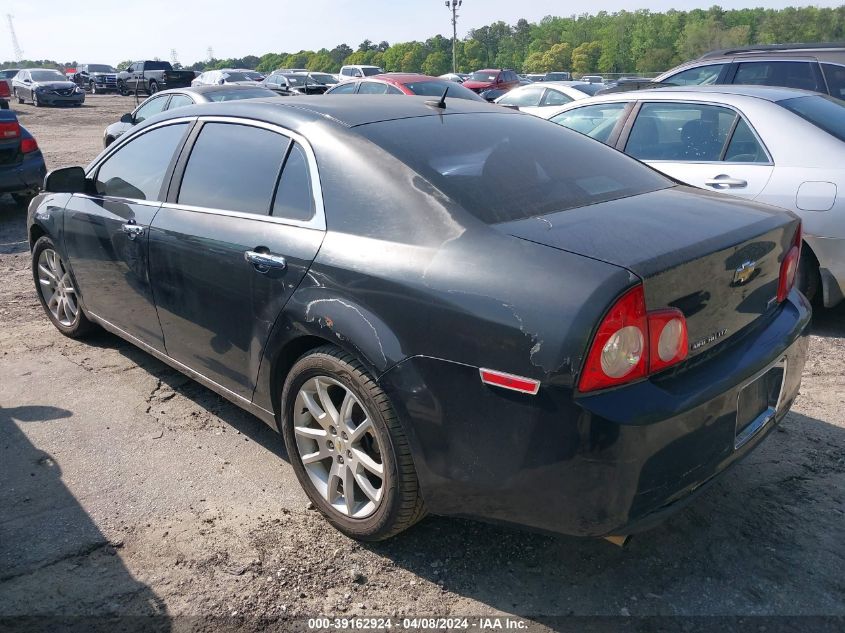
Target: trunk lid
(714, 257)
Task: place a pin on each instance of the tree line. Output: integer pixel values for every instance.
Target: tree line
(623, 42)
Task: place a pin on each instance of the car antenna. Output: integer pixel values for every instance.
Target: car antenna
(441, 103)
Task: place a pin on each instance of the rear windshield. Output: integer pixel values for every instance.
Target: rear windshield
(234, 95)
(504, 167)
(369, 72)
(437, 88)
(588, 89)
(157, 66)
(235, 76)
(483, 76)
(822, 111)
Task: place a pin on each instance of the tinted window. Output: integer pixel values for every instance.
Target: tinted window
(294, 199)
(179, 101)
(835, 76)
(824, 112)
(150, 107)
(156, 65)
(393, 90)
(236, 95)
(369, 72)
(372, 88)
(343, 89)
(47, 75)
(437, 88)
(744, 146)
(524, 97)
(789, 74)
(346, 71)
(233, 76)
(589, 89)
(233, 167)
(503, 167)
(596, 121)
(680, 132)
(137, 169)
(556, 98)
(700, 76)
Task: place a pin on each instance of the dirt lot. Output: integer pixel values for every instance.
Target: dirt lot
(126, 488)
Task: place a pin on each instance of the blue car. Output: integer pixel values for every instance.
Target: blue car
(22, 167)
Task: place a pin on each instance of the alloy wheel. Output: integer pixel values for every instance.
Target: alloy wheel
(57, 287)
(338, 446)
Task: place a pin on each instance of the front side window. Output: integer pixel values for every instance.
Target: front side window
(835, 76)
(788, 74)
(149, 108)
(137, 169)
(294, 199)
(179, 101)
(233, 167)
(528, 96)
(699, 76)
(596, 121)
(343, 89)
(680, 132)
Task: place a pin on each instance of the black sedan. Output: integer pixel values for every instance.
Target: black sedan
(44, 86)
(439, 309)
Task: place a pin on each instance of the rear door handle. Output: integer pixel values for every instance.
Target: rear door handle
(726, 182)
(133, 230)
(263, 262)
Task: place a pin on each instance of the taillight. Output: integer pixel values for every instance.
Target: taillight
(4, 89)
(789, 267)
(28, 145)
(9, 129)
(632, 343)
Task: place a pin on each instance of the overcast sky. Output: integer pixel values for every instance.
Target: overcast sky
(109, 31)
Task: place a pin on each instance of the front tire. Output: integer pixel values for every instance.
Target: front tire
(56, 290)
(35, 100)
(348, 448)
(17, 96)
(121, 89)
(92, 87)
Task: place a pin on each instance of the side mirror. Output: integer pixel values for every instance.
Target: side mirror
(27, 81)
(220, 82)
(66, 180)
(127, 118)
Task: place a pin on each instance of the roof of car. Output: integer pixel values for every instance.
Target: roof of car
(404, 77)
(767, 93)
(774, 48)
(347, 110)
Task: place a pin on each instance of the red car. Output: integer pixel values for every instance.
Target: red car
(404, 84)
(492, 79)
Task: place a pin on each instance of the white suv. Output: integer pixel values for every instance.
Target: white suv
(347, 73)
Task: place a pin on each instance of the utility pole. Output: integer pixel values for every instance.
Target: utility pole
(174, 58)
(15, 45)
(453, 5)
(210, 53)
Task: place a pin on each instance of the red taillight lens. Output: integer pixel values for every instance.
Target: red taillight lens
(632, 343)
(11, 129)
(618, 353)
(28, 145)
(667, 337)
(4, 89)
(789, 267)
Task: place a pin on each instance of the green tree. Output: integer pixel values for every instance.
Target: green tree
(437, 63)
(585, 58)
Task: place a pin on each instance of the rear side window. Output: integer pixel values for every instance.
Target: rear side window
(524, 97)
(294, 199)
(503, 167)
(233, 167)
(372, 88)
(824, 112)
(596, 121)
(699, 76)
(555, 98)
(835, 76)
(343, 89)
(788, 74)
(137, 169)
(179, 101)
(687, 132)
(744, 146)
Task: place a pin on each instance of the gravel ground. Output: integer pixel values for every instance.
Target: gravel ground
(127, 489)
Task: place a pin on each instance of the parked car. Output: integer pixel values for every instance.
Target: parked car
(370, 276)
(294, 84)
(96, 78)
(252, 74)
(150, 76)
(6, 77)
(492, 79)
(44, 86)
(817, 67)
(222, 77)
(357, 71)
(9, 73)
(453, 77)
(326, 79)
(741, 140)
(557, 75)
(535, 77)
(540, 97)
(592, 79)
(22, 168)
(405, 84)
(168, 100)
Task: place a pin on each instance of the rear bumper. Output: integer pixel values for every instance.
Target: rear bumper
(28, 175)
(609, 463)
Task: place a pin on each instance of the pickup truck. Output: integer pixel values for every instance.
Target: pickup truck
(95, 78)
(151, 76)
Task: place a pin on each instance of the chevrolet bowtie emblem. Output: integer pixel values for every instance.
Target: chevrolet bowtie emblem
(744, 273)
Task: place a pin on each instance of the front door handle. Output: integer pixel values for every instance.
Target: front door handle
(726, 182)
(263, 262)
(133, 230)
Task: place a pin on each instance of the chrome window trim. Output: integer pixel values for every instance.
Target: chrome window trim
(318, 222)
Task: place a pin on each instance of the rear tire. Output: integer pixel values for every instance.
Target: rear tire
(56, 290)
(383, 447)
(153, 87)
(17, 96)
(809, 279)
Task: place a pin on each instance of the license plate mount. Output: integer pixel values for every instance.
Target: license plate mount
(759, 402)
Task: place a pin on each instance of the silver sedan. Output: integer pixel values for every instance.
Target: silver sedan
(781, 146)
